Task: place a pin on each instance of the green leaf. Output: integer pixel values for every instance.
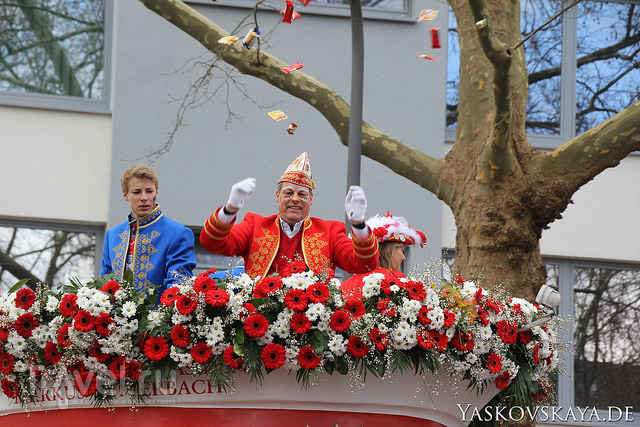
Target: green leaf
(18, 285)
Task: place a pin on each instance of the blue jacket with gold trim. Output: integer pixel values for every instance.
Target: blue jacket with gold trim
(163, 247)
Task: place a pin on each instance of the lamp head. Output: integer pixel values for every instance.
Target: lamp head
(548, 297)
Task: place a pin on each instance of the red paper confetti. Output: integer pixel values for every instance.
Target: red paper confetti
(291, 68)
(292, 128)
(288, 13)
(304, 2)
(435, 38)
(422, 55)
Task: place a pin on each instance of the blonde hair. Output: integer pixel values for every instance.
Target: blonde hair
(386, 250)
(138, 171)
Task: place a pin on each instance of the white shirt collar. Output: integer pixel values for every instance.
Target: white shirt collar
(287, 228)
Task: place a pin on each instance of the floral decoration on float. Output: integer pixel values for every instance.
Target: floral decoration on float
(109, 341)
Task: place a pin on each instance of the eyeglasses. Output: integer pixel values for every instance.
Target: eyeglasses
(302, 195)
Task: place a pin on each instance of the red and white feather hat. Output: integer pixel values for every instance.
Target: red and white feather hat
(391, 228)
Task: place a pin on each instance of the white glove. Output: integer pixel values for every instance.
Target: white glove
(241, 192)
(355, 204)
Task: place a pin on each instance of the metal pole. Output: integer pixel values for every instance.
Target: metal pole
(357, 83)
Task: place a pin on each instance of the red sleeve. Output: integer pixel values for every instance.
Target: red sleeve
(353, 255)
(227, 239)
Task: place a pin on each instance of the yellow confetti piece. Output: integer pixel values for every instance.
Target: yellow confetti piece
(278, 115)
(228, 39)
(427, 15)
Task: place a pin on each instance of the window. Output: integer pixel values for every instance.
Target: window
(46, 253)
(52, 54)
(583, 68)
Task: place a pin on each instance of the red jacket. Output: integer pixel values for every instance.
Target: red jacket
(257, 240)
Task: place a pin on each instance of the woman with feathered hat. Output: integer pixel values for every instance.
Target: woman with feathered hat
(393, 235)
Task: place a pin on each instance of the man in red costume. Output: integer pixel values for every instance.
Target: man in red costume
(269, 244)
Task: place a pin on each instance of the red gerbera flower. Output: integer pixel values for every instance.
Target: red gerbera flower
(256, 325)
(525, 337)
(96, 351)
(340, 321)
(51, 353)
(180, 336)
(204, 284)
(507, 331)
(185, 305)
(63, 335)
(273, 356)
(294, 267)
(423, 315)
(118, 367)
(169, 296)
(308, 358)
(84, 321)
(133, 369)
(494, 363)
(68, 306)
(355, 307)
(6, 363)
(318, 293)
(217, 297)
(267, 286)
(425, 341)
(449, 319)
(503, 380)
(379, 340)
(416, 290)
(201, 352)
(386, 307)
(4, 333)
(25, 298)
(296, 299)
(86, 384)
(102, 323)
(356, 347)
(483, 316)
(231, 359)
(25, 324)
(463, 341)
(536, 354)
(156, 348)
(496, 306)
(441, 340)
(111, 287)
(299, 323)
(10, 388)
(479, 295)
(387, 283)
(208, 272)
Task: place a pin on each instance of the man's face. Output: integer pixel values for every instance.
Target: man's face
(141, 196)
(294, 202)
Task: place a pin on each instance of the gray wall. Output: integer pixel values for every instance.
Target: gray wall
(404, 97)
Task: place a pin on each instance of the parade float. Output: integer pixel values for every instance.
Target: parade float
(281, 350)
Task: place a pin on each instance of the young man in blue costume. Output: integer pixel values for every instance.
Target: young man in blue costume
(159, 250)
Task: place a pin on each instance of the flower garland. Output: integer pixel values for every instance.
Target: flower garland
(106, 338)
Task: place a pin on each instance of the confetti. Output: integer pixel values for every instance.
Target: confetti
(291, 68)
(278, 115)
(435, 38)
(304, 2)
(292, 128)
(250, 38)
(228, 39)
(289, 14)
(422, 55)
(427, 15)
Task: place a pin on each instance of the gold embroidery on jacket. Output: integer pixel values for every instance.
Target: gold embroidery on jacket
(261, 259)
(312, 247)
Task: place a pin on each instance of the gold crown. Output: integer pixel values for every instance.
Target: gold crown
(299, 172)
